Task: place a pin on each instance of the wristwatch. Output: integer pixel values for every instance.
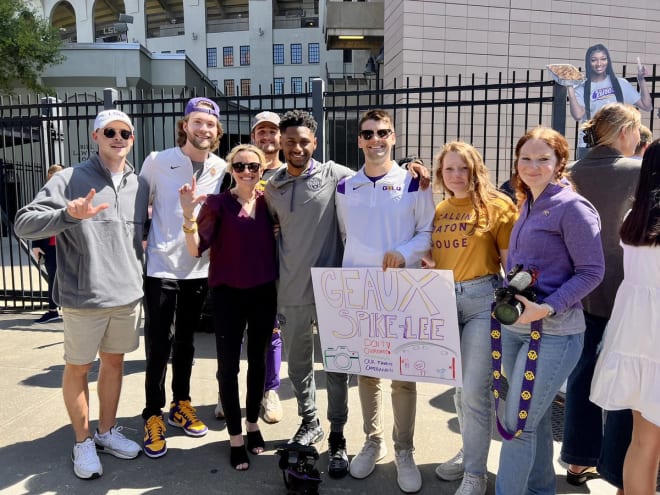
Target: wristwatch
(551, 310)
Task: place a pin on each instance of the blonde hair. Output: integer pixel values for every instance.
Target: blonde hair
(481, 190)
(246, 147)
(53, 169)
(603, 129)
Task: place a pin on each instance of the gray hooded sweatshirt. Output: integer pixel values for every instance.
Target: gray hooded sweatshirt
(304, 207)
(99, 260)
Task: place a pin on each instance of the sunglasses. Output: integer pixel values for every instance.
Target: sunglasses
(240, 166)
(382, 133)
(110, 133)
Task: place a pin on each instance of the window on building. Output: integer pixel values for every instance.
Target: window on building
(278, 54)
(296, 85)
(228, 56)
(212, 57)
(313, 53)
(245, 55)
(278, 86)
(230, 87)
(296, 53)
(245, 87)
(348, 56)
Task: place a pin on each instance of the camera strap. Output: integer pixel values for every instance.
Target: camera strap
(528, 379)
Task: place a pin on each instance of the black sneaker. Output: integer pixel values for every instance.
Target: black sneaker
(49, 316)
(308, 433)
(337, 456)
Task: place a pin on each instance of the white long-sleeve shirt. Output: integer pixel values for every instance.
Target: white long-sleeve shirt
(391, 214)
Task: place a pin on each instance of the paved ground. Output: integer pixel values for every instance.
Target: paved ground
(36, 441)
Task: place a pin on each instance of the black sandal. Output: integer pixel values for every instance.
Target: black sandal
(237, 456)
(581, 477)
(255, 441)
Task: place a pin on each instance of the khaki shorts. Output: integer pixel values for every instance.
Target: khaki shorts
(111, 330)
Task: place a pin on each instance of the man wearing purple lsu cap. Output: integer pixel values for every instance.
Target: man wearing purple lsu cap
(97, 209)
(176, 283)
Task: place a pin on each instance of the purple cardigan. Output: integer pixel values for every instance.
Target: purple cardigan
(242, 247)
(559, 235)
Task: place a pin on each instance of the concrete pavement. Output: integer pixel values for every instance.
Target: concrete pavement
(36, 440)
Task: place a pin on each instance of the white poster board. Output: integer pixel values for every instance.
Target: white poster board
(398, 324)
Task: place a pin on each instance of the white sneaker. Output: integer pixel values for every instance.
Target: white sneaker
(407, 475)
(452, 469)
(115, 443)
(272, 407)
(219, 411)
(473, 485)
(86, 463)
(364, 463)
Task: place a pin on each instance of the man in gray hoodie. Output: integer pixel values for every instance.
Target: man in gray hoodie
(97, 210)
(301, 197)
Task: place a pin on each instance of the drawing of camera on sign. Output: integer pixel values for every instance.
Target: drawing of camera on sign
(426, 359)
(341, 359)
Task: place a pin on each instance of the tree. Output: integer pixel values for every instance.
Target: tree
(28, 44)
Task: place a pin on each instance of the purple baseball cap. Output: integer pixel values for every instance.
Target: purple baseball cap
(202, 104)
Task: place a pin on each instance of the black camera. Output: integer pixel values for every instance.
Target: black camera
(297, 465)
(507, 308)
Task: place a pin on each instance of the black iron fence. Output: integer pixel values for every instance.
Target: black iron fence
(490, 112)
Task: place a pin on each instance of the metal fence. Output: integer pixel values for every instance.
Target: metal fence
(490, 112)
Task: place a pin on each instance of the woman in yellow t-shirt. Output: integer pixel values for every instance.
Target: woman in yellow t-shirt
(471, 237)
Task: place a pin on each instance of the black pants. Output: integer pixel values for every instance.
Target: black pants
(50, 263)
(232, 310)
(170, 305)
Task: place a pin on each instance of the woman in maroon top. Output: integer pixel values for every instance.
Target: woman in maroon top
(236, 226)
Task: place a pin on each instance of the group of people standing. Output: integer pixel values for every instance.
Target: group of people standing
(254, 243)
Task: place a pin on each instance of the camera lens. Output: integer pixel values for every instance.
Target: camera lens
(507, 314)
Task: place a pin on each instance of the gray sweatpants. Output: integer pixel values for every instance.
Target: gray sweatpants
(298, 339)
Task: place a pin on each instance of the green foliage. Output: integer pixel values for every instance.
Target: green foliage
(28, 44)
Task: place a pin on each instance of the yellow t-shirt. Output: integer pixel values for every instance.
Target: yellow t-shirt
(476, 255)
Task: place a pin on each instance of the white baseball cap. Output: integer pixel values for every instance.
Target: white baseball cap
(112, 115)
(270, 117)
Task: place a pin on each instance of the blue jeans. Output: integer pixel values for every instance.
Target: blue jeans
(583, 420)
(616, 439)
(298, 339)
(526, 461)
(474, 401)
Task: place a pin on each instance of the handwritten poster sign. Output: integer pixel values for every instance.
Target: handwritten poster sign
(399, 324)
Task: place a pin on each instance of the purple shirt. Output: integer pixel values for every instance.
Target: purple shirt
(559, 235)
(242, 248)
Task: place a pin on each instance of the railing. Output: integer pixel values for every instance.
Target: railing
(490, 112)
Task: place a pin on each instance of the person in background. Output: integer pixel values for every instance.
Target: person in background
(625, 377)
(602, 87)
(44, 251)
(471, 232)
(97, 210)
(386, 220)
(238, 229)
(607, 177)
(266, 136)
(176, 282)
(557, 240)
(645, 139)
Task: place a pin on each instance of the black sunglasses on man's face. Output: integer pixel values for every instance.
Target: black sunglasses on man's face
(381, 133)
(110, 133)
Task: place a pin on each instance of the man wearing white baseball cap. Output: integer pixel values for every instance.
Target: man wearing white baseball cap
(176, 282)
(97, 210)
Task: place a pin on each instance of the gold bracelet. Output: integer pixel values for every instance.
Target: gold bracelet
(191, 219)
(189, 230)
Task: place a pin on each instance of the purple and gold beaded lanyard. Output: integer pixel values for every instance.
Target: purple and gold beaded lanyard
(528, 378)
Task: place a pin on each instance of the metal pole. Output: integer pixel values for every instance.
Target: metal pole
(318, 88)
(559, 108)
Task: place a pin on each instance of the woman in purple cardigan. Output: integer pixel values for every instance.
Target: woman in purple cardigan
(236, 226)
(557, 239)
